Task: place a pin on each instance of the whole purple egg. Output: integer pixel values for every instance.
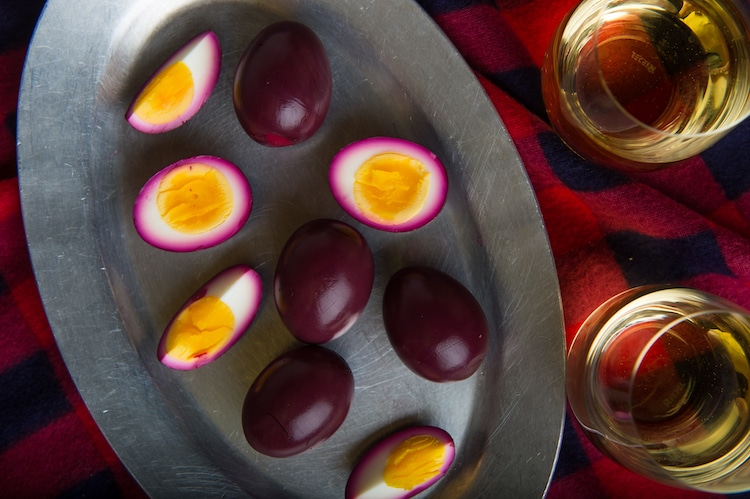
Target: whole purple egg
(283, 85)
(299, 400)
(323, 280)
(435, 324)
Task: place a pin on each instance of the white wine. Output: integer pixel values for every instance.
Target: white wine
(668, 373)
(641, 82)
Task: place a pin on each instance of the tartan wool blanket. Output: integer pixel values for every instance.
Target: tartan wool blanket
(687, 225)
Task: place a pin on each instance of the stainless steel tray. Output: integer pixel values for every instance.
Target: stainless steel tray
(108, 294)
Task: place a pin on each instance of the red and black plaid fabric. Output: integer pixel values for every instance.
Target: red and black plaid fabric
(49, 444)
(688, 225)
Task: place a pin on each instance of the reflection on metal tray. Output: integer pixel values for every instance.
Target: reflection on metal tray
(108, 294)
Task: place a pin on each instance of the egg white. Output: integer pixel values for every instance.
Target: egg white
(240, 288)
(202, 56)
(344, 168)
(366, 480)
(155, 231)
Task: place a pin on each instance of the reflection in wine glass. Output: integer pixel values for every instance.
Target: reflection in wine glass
(646, 83)
(658, 379)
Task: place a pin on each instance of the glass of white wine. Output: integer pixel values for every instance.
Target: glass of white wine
(643, 84)
(659, 379)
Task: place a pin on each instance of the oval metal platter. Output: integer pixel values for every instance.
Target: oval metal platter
(108, 294)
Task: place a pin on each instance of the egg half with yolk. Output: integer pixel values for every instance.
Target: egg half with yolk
(389, 184)
(192, 204)
(179, 88)
(402, 465)
(212, 320)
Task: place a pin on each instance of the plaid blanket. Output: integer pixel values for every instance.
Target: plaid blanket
(686, 225)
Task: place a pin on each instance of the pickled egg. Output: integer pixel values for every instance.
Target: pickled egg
(323, 280)
(389, 184)
(283, 85)
(179, 88)
(192, 204)
(298, 401)
(435, 325)
(402, 465)
(212, 319)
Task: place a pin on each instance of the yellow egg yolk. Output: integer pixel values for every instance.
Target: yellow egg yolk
(391, 187)
(167, 96)
(203, 327)
(194, 198)
(413, 462)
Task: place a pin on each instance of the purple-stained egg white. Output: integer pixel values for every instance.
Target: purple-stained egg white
(387, 183)
(212, 319)
(192, 204)
(179, 88)
(402, 465)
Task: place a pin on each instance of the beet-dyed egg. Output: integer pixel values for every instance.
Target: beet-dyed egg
(323, 280)
(402, 465)
(283, 85)
(299, 400)
(389, 184)
(435, 324)
(179, 88)
(192, 204)
(212, 320)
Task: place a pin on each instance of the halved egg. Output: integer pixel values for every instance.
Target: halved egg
(179, 88)
(192, 204)
(402, 465)
(389, 184)
(212, 320)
